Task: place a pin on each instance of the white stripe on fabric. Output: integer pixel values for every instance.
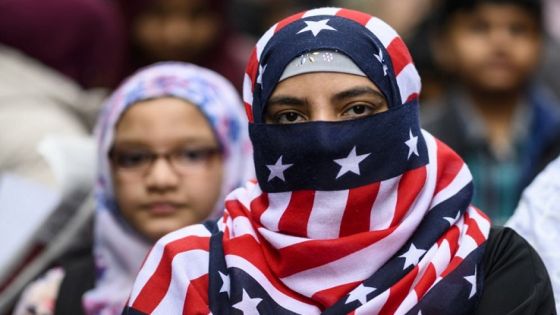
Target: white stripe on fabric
(381, 30)
(321, 11)
(383, 209)
(244, 225)
(287, 302)
(156, 254)
(277, 204)
(462, 179)
(261, 44)
(279, 240)
(247, 90)
(442, 258)
(326, 214)
(482, 222)
(173, 301)
(374, 306)
(245, 195)
(408, 81)
(468, 244)
(407, 303)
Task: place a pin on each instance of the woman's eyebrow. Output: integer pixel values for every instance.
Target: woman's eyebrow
(356, 91)
(285, 100)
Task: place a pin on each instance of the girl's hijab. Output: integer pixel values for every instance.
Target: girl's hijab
(370, 215)
(118, 249)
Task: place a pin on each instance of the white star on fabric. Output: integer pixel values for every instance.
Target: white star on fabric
(316, 26)
(472, 281)
(380, 59)
(351, 163)
(412, 256)
(277, 170)
(225, 283)
(248, 305)
(261, 72)
(452, 220)
(359, 294)
(412, 144)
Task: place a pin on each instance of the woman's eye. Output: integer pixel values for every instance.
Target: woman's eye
(289, 118)
(359, 110)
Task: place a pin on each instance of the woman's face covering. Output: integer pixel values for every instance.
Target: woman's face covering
(324, 96)
(166, 165)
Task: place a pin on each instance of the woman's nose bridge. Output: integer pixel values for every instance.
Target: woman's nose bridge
(322, 109)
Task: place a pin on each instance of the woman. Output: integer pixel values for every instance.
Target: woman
(171, 145)
(355, 209)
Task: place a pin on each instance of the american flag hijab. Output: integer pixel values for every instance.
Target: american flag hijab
(368, 216)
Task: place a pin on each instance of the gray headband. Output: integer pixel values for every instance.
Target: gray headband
(321, 61)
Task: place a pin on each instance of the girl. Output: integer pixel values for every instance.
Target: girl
(172, 143)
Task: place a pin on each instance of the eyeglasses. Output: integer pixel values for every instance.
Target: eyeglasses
(183, 160)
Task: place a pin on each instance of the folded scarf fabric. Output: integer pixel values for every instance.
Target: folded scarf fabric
(367, 216)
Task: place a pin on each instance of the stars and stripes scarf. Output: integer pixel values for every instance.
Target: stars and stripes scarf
(368, 216)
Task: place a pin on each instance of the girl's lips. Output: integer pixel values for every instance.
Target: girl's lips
(162, 208)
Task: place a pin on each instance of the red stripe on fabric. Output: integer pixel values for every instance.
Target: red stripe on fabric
(455, 261)
(452, 237)
(329, 297)
(356, 16)
(196, 298)
(253, 67)
(400, 57)
(236, 209)
(249, 112)
(410, 185)
(474, 231)
(357, 214)
(155, 289)
(258, 207)
(298, 211)
(288, 20)
(412, 97)
(425, 281)
(449, 165)
(288, 260)
(398, 292)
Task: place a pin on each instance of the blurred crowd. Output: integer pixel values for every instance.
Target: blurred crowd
(490, 90)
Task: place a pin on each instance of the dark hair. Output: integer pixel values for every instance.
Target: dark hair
(448, 8)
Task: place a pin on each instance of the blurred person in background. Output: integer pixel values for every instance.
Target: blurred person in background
(172, 142)
(493, 112)
(537, 219)
(52, 53)
(195, 31)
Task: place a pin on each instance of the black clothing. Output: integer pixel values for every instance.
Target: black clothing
(79, 277)
(515, 281)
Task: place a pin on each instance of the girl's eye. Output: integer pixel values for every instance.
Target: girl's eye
(190, 156)
(289, 118)
(131, 159)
